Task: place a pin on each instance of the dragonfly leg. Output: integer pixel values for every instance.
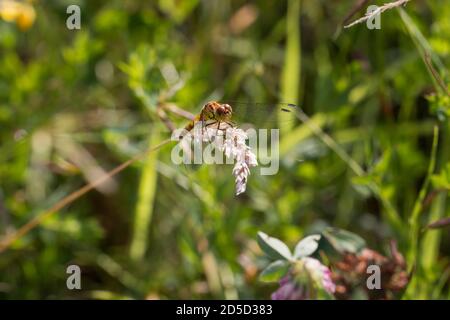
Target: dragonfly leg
(218, 127)
(231, 123)
(210, 124)
(202, 119)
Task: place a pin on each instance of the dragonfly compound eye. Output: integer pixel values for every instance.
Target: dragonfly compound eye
(228, 109)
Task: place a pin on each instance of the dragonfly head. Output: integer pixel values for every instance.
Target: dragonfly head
(224, 112)
(217, 111)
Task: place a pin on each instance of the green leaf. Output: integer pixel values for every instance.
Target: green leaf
(273, 247)
(344, 241)
(145, 202)
(274, 271)
(307, 246)
(291, 73)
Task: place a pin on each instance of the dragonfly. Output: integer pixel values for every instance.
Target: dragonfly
(254, 114)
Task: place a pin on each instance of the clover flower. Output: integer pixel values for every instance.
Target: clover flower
(289, 290)
(320, 273)
(307, 277)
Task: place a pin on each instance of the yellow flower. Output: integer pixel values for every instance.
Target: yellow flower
(22, 14)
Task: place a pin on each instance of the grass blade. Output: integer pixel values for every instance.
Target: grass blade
(145, 200)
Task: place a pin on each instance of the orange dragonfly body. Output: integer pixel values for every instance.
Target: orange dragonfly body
(258, 114)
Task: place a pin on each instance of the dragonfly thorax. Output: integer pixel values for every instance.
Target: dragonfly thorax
(217, 111)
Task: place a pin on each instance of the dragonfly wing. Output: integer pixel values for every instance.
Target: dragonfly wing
(263, 115)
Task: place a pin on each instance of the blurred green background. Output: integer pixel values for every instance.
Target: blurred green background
(76, 103)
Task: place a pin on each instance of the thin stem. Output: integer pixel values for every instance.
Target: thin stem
(356, 168)
(33, 223)
(434, 73)
(418, 205)
(356, 7)
(391, 213)
(378, 11)
(173, 108)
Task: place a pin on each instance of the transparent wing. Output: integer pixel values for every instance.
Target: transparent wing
(263, 115)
